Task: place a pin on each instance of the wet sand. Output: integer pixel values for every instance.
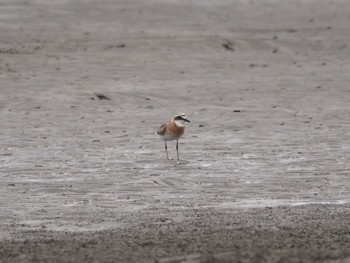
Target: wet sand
(264, 175)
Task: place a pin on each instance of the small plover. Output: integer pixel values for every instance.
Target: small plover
(173, 130)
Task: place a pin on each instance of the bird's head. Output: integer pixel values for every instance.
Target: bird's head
(180, 119)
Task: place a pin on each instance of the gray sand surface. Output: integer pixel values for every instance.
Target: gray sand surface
(265, 170)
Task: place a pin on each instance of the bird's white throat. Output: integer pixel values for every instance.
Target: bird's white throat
(180, 123)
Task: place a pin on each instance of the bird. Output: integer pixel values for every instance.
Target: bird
(173, 130)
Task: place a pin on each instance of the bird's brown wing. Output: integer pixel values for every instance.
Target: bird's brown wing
(162, 129)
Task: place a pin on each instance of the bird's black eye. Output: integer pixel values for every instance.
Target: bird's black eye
(177, 118)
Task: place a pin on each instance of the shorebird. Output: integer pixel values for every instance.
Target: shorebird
(173, 130)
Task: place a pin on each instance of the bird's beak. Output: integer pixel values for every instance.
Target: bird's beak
(186, 120)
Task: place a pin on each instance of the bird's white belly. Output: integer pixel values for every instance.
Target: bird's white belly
(168, 137)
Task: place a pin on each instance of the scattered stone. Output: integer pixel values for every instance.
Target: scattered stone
(101, 96)
(116, 46)
(228, 45)
(252, 65)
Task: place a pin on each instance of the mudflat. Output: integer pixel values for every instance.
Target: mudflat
(265, 161)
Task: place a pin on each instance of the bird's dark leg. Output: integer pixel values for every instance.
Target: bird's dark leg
(177, 150)
(166, 151)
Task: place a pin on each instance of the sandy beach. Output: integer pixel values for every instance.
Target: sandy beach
(265, 162)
